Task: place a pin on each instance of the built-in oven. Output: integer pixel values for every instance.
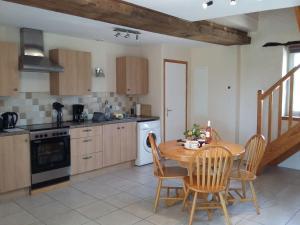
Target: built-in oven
(50, 157)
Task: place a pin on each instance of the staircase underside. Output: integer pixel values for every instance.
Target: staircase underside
(282, 148)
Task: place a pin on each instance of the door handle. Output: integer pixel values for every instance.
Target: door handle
(169, 110)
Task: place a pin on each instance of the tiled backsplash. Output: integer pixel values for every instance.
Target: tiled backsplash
(35, 108)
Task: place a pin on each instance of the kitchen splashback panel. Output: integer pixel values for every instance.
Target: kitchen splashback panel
(35, 108)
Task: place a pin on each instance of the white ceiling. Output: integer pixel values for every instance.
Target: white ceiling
(23, 16)
(192, 9)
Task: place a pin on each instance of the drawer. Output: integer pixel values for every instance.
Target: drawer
(85, 163)
(86, 132)
(86, 145)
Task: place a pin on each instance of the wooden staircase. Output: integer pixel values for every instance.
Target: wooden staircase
(282, 132)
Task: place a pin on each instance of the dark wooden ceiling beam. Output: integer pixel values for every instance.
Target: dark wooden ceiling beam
(297, 12)
(126, 14)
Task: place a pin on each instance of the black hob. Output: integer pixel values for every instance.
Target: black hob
(47, 126)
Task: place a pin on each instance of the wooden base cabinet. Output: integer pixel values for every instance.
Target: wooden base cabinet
(119, 143)
(86, 149)
(14, 162)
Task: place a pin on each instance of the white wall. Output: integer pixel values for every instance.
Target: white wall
(103, 55)
(214, 88)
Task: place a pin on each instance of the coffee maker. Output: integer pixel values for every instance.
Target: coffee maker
(78, 113)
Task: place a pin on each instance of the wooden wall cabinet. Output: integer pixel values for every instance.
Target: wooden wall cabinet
(9, 73)
(132, 75)
(14, 162)
(119, 143)
(76, 78)
(86, 149)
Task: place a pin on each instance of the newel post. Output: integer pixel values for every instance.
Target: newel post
(259, 111)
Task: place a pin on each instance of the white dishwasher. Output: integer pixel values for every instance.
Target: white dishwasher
(144, 154)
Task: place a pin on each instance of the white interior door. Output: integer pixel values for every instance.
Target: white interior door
(175, 100)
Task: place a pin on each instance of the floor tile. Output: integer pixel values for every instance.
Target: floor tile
(121, 200)
(8, 208)
(143, 222)
(21, 218)
(118, 217)
(295, 220)
(71, 197)
(49, 210)
(96, 209)
(140, 209)
(33, 201)
(70, 218)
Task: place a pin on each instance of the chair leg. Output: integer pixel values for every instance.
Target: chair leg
(193, 208)
(254, 197)
(224, 207)
(157, 194)
(243, 188)
(185, 198)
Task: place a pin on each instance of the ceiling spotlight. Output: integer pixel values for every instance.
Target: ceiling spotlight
(127, 35)
(117, 34)
(136, 37)
(233, 2)
(207, 3)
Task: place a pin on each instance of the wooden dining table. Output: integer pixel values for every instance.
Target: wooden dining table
(176, 151)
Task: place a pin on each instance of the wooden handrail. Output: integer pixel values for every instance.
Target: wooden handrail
(269, 94)
(278, 83)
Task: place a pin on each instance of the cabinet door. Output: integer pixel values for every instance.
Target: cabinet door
(128, 142)
(9, 74)
(84, 74)
(132, 64)
(111, 144)
(14, 163)
(142, 77)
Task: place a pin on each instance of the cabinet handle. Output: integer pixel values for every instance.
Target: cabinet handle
(87, 157)
(89, 89)
(87, 140)
(128, 89)
(15, 89)
(118, 128)
(26, 140)
(123, 127)
(87, 130)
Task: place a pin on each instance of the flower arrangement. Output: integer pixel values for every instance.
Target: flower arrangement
(195, 133)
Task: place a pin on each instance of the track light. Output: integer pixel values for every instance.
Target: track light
(233, 2)
(117, 34)
(207, 3)
(127, 35)
(137, 37)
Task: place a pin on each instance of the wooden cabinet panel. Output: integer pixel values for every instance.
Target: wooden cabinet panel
(14, 163)
(132, 75)
(128, 142)
(76, 78)
(84, 75)
(111, 144)
(9, 73)
(86, 162)
(86, 132)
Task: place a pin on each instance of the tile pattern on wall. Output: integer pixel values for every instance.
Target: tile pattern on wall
(36, 107)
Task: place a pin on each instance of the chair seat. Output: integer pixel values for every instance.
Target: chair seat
(174, 172)
(194, 186)
(242, 175)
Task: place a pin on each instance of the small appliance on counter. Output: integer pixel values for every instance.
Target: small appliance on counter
(78, 113)
(98, 117)
(10, 120)
(58, 107)
(1, 124)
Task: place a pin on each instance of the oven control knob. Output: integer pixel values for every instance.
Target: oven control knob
(65, 133)
(36, 136)
(54, 134)
(46, 135)
(41, 136)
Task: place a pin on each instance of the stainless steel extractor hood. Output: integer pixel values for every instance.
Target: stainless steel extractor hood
(32, 57)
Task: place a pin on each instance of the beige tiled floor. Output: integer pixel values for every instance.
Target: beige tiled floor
(125, 197)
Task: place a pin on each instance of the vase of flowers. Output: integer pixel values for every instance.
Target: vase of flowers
(195, 133)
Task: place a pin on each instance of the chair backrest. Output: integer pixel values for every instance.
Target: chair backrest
(157, 166)
(255, 149)
(210, 167)
(215, 135)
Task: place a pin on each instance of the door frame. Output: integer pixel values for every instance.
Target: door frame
(164, 91)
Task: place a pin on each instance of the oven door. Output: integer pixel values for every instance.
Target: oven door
(50, 154)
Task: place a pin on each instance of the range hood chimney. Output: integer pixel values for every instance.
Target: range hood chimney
(32, 57)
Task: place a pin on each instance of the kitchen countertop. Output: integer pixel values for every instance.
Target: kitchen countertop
(88, 123)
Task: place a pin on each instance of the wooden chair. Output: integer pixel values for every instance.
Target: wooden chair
(209, 171)
(163, 172)
(247, 168)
